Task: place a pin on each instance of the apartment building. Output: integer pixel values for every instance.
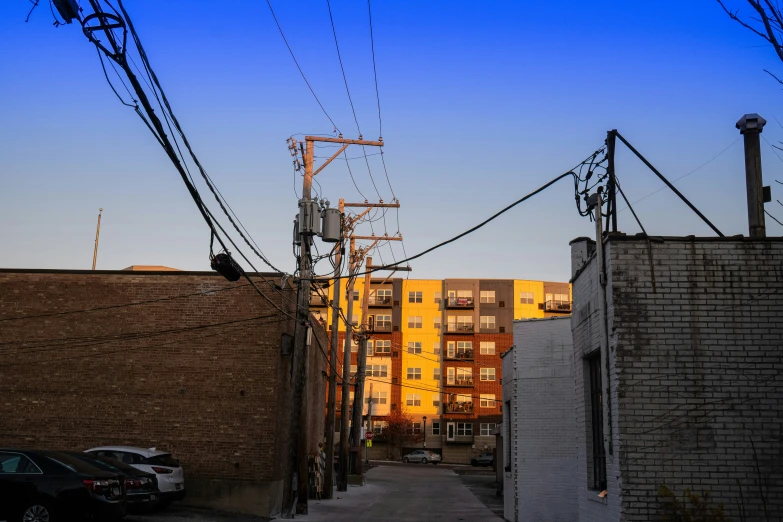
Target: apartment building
(435, 352)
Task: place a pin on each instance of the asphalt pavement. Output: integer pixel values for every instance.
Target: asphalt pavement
(412, 492)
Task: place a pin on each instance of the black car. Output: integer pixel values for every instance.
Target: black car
(141, 488)
(51, 486)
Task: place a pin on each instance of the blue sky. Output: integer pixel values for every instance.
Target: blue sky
(482, 102)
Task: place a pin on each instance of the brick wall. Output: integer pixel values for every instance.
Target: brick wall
(696, 371)
(542, 421)
(161, 373)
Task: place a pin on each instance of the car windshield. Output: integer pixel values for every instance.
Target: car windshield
(162, 460)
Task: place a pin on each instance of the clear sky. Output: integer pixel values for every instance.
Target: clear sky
(482, 102)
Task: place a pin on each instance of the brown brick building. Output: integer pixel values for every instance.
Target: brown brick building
(183, 361)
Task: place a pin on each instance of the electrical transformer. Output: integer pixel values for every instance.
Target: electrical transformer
(309, 217)
(331, 225)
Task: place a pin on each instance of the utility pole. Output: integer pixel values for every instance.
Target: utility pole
(97, 235)
(361, 366)
(369, 426)
(331, 403)
(342, 483)
(751, 126)
(295, 496)
(611, 140)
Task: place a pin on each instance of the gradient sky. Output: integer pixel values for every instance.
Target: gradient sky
(482, 102)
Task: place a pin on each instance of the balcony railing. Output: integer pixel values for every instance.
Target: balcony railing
(557, 306)
(380, 300)
(380, 327)
(460, 381)
(458, 407)
(463, 355)
(460, 302)
(459, 328)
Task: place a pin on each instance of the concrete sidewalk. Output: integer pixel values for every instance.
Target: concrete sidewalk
(400, 493)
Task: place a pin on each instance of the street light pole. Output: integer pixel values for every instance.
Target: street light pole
(425, 431)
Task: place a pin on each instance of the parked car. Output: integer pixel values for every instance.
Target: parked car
(422, 456)
(485, 459)
(171, 478)
(141, 487)
(46, 486)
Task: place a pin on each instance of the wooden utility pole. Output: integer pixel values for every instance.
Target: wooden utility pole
(97, 235)
(751, 126)
(361, 365)
(332, 399)
(295, 491)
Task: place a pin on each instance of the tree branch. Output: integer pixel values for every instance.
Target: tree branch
(737, 19)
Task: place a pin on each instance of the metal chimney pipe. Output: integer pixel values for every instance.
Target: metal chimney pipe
(751, 126)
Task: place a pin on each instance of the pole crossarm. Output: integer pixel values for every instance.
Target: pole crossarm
(325, 163)
(379, 205)
(377, 238)
(343, 140)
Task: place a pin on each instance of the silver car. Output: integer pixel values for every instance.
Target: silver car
(423, 456)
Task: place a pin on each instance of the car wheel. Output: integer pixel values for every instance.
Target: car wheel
(164, 504)
(36, 511)
(424, 460)
(474, 463)
(405, 460)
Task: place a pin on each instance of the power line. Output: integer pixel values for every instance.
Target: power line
(291, 51)
(340, 59)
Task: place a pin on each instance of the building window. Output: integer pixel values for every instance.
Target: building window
(413, 399)
(414, 297)
(487, 296)
(598, 461)
(450, 375)
(377, 370)
(383, 321)
(437, 322)
(382, 347)
(436, 428)
(382, 296)
(378, 397)
(525, 297)
(436, 400)
(487, 374)
(414, 347)
(436, 348)
(487, 347)
(438, 297)
(486, 428)
(414, 321)
(464, 428)
(378, 426)
(464, 376)
(488, 400)
(353, 370)
(356, 295)
(354, 319)
(487, 321)
(436, 374)
(414, 374)
(354, 346)
(369, 349)
(416, 428)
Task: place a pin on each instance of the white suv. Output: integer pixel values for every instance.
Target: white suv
(171, 478)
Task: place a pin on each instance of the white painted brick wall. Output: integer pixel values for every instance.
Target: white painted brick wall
(541, 387)
(696, 374)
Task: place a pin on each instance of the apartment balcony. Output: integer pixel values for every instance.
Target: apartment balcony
(460, 328)
(380, 301)
(557, 306)
(459, 302)
(380, 327)
(460, 355)
(464, 382)
(458, 407)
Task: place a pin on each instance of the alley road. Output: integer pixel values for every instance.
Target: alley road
(404, 492)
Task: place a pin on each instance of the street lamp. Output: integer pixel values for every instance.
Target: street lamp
(425, 430)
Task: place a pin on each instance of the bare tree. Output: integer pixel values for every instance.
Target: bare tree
(765, 20)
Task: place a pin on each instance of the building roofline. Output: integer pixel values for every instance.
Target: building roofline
(621, 236)
(135, 273)
(539, 319)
